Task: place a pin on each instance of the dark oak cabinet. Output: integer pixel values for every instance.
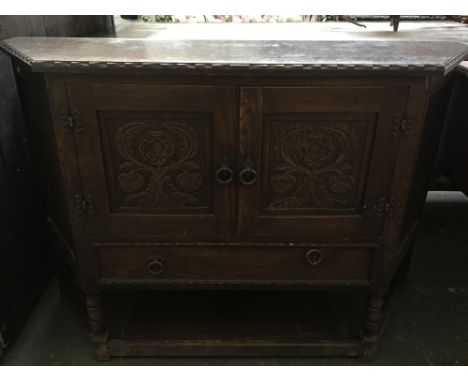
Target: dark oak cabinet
(235, 207)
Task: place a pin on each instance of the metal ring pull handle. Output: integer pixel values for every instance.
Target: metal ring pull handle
(313, 257)
(248, 175)
(224, 174)
(156, 266)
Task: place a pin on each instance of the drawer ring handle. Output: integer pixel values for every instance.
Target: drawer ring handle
(313, 257)
(156, 266)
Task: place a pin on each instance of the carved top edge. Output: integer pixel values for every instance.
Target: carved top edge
(48, 54)
(143, 282)
(97, 243)
(463, 68)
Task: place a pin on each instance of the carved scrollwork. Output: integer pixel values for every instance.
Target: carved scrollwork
(311, 167)
(159, 169)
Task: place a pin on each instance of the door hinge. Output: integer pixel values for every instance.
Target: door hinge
(402, 124)
(72, 121)
(384, 207)
(84, 205)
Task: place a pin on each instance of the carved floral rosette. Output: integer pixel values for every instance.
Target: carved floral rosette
(311, 168)
(158, 169)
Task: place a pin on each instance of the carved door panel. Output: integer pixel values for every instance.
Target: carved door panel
(312, 158)
(148, 156)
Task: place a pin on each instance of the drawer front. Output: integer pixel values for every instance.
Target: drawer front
(232, 264)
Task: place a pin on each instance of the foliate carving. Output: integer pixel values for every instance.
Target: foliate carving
(312, 166)
(159, 169)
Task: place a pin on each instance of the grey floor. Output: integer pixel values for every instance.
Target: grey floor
(428, 325)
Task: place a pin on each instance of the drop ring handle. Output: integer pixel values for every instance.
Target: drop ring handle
(224, 174)
(248, 175)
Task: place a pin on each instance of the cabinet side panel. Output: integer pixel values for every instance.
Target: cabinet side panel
(407, 194)
(25, 262)
(34, 93)
(424, 174)
(455, 154)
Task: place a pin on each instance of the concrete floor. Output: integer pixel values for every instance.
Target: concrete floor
(428, 325)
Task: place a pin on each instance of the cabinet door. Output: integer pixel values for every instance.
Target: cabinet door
(148, 155)
(316, 162)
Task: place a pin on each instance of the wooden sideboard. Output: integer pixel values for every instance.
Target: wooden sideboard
(235, 197)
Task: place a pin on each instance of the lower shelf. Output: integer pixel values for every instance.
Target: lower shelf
(235, 323)
(248, 348)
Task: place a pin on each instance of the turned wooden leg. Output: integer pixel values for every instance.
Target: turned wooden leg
(95, 314)
(372, 326)
(2, 345)
(374, 313)
(99, 332)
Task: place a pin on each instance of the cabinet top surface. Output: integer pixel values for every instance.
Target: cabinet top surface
(49, 54)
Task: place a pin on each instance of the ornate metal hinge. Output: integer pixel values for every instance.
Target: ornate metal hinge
(84, 205)
(384, 206)
(402, 124)
(72, 121)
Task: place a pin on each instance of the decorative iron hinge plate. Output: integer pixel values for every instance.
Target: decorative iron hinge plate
(84, 205)
(384, 206)
(72, 121)
(402, 124)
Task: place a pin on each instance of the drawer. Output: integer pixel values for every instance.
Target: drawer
(165, 264)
